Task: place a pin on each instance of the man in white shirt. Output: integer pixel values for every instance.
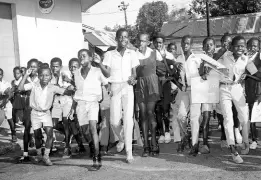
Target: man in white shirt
(231, 91)
(121, 65)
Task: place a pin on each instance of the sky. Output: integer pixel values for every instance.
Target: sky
(107, 13)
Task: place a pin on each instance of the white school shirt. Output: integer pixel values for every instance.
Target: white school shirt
(146, 55)
(29, 86)
(42, 99)
(168, 55)
(89, 89)
(16, 82)
(236, 68)
(190, 67)
(60, 82)
(4, 85)
(121, 66)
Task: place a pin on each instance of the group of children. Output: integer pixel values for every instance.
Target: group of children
(46, 97)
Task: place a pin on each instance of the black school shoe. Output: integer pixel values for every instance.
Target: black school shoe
(97, 163)
(23, 159)
(194, 150)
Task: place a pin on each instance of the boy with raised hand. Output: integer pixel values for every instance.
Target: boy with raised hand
(88, 80)
(31, 79)
(231, 91)
(41, 100)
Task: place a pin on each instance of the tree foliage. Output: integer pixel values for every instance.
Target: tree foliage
(225, 7)
(151, 17)
(180, 15)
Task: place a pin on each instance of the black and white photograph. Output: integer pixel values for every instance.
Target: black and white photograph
(130, 89)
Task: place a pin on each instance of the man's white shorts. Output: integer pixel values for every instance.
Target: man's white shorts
(41, 119)
(87, 111)
(61, 107)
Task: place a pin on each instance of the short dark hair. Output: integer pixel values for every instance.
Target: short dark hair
(2, 70)
(187, 37)
(56, 59)
(73, 60)
(17, 68)
(44, 65)
(85, 50)
(253, 39)
(159, 35)
(32, 61)
(223, 38)
(171, 44)
(120, 31)
(236, 39)
(207, 39)
(40, 70)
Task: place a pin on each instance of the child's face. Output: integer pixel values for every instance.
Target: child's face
(159, 44)
(45, 76)
(74, 66)
(17, 74)
(23, 69)
(172, 49)
(34, 67)
(226, 43)
(56, 67)
(239, 47)
(209, 47)
(85, 59)
(186, 45)
(1, 75)
(253, 46)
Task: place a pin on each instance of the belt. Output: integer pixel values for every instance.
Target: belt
(43, 111)
(228, 83)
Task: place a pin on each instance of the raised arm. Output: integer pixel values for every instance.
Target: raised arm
(21, 86)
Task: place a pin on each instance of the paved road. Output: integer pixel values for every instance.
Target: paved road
(169, 165)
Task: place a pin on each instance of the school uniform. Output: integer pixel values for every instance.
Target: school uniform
(41, 101)
(18, 102)
(106, 133)
(4, 85)
(233, 92)
(62, 103)
(88, 94)
(123, 93)
(190, 69)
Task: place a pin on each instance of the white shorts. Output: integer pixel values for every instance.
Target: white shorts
(61, 106)
(87, 111)
(8, 110)
(207, 107)
(41, 119)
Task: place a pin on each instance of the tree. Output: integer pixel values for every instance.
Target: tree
(180, 15)
(225, 7)
(114, 29)
(151, 17)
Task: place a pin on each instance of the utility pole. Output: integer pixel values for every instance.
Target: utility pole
(208, 12)
(123, 7)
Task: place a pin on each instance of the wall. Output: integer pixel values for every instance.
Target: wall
(7, 53)
(44, 36)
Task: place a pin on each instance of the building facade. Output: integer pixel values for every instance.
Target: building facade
(40, 29)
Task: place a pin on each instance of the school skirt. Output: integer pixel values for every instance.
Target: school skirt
(147, 89)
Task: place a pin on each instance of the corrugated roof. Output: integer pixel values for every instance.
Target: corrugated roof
(235, 24)
(92, 39)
